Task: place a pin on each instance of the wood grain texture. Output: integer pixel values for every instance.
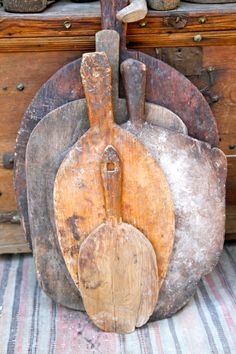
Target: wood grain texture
(203, 125)
(86, 20)
(135, 41)
(75, 182)
(230, 222)
(134, 76)
(12, 239)
(108, 41)
(196, 115)
(72, 120)
(58, 130)
(134, 80)
(118, 276)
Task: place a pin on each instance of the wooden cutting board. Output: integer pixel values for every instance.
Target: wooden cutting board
(196, 174)
(118, 275)
(59, 130)
(65, 86)
(78, 194)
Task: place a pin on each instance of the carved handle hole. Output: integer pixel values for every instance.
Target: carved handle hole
(110, 166)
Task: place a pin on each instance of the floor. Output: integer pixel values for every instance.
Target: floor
(30, 323)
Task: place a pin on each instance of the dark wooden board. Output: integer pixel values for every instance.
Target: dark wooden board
(58, 131)
(40, 199)
(65, 86)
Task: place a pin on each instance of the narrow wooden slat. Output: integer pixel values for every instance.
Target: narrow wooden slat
(12, 239)
(85, 20)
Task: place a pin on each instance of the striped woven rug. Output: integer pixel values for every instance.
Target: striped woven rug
(30, 323)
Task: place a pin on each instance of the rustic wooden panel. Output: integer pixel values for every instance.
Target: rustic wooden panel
(12, 239)
(228, 144)
(48, 44)
(230, 191)
(223, 60)
(231, 222)
(135, 41)
(14, 69)
(7, 197)
(231, 166)
(158, 29)
(209, 38)
(85, 20)
(31, 69)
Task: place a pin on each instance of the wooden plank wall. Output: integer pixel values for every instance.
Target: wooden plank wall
(33, 47)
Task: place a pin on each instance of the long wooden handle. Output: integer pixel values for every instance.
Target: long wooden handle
(109, 9)
(111, 176)
(134, 79)
(136, 11)
(97, 83)
(108, 41)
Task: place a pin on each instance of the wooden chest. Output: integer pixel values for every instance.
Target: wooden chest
(199, 40)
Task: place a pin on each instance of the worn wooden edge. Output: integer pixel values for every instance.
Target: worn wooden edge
(12, 239)
(208, 38)
(83, 19)
(15, 248)
(134, 41)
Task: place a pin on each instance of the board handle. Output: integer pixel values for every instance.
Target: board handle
(134, 79)
(109, 9)
(136, 11)
(108, 41)
(111, 178)
(97, 83)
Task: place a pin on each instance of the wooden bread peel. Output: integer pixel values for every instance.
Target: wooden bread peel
(66, 86)
(196, 174)
(59, 130)
(78, 193)
(118, 276)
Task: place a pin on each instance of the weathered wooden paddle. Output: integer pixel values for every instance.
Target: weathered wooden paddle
(66, 86)
(78, 193)
(118, 276)
(196, 175)
(59, 130)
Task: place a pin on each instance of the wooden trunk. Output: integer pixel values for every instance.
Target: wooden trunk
(200, 41)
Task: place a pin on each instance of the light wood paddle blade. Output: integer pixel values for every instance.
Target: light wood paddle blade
(118, 276)
(78, 193)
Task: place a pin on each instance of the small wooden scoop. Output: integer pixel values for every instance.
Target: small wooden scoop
(118, 276)
(78, 193)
